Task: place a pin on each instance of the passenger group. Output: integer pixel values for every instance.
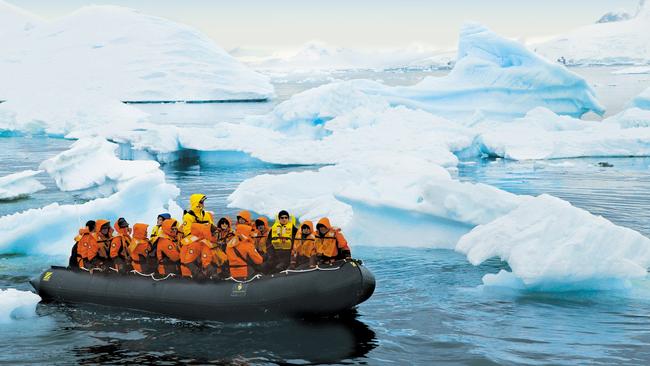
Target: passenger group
(197, 248)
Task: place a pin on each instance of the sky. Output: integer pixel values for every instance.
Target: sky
(288, 24)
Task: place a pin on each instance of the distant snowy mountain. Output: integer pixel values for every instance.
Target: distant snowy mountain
(320, 56)
(617, 39)
(121, 53)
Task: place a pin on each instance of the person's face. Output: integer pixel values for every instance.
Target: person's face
(306, 230)
(241, 220)
(224, 226)
(174, 230)
(160, 221)
(202, 202)
(104, 230)
(322, 229)
(260, 228)
(284, 219)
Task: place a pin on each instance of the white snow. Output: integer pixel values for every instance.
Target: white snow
(552, 246)
(19, 185)
(14, 20)
(623, 42)
(16, 304)
(49, 230)
(380, 199)
(634, 70)
(91, 165)
(125, 55)
(642, 100)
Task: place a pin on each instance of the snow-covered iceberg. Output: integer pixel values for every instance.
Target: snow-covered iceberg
(623, 42)
(14, 20)
(542, 134)
(380, 199)
(91, 166)
(642, 100)
(16, 304)
(123, 54)
(19, 185)
(552, 246)
(49, 230)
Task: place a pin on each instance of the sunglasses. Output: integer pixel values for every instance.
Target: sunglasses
(284, 217)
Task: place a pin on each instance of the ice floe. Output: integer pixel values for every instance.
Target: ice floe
(92, 167)
(125, 55)
(48, 230)
(16, 304)
(380, 199)
(551, 245)
(19, 185)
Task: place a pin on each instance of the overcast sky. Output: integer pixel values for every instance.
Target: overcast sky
(287, 24)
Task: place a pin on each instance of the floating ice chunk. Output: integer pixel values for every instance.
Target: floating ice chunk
(380, 199)
(542, 134)
(553, 246)
(624, 42)
(125, 55)
(19, 185)
(16, 304)
(91, 165)
(49, 230)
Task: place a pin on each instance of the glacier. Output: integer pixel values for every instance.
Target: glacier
(123, 54)
(19, 185)
(16, 304)
(551, 245)
(92, 168)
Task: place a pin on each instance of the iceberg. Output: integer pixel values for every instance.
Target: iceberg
(19, 185)
(542, 134)
(551, 245)
(91, 166)
(623, 42)
(125, 55)
(49, 230)
(380, 199)
(642, 100)
(15, 20)
(16, 304)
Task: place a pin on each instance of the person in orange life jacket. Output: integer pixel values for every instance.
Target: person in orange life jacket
(81, 245)
(242, 256)
(120, 260)
(224, 232)
(157, 229)
(304, 247)
(140, 249)
(215, 261)
(244, 218)
(193, 248)
(330, 243)
(261, 235)
(167, 251)
(98, 252)
(281, 237)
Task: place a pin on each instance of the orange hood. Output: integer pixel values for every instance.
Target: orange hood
(202, 231)
(101, 222)
(245, 215)
(309, 224)
(222, 219)
(167, 227)
(244, 232)
(119, 230)
(140, 231)
(325, 222)
(264, 220)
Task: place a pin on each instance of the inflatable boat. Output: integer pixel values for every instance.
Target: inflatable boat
(321, 291)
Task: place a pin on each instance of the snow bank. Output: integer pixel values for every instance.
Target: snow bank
(91, 165)
(623, 42)
(15, 304)
(49, 230)
(15, 20)
(642, 100)
(542, 134)
(125, 55)
(631, 118)
(551, 245)
(316, 55)
(19, 185)
(380, 199)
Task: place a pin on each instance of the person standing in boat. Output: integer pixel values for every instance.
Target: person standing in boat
(81, 245)
(196, 213)
(330, 243)
(281, 236)
(157, 229)
(140, 249)
(120, 261)
(167, 251)
(242, 256)
(303, 253)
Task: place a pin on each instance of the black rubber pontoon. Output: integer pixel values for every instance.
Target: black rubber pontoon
(317, 292)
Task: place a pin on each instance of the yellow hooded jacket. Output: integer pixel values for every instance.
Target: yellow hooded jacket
(195, 214)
